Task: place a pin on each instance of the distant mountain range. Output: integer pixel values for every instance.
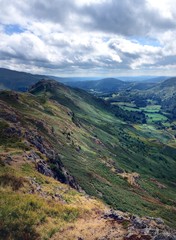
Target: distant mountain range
(110, 85)
(143, 78)
(103, 85)
(20, 81)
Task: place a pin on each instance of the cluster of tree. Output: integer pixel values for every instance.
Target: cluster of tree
(129, 116)
(169, 106)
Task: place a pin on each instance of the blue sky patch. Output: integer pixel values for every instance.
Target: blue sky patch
(146, 41)
(13, 28)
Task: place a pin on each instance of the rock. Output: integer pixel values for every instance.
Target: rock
(12, 131)
(9, 117)
(36, 140)
(119, 170)
(113, 215)
(38, 189)
(132, 236)
(8, 160)
(70, 113)
(41, 125)
(32, 156)
(43, 168)
(159, 221)
(50, 153)
(153, 232)
(78, 148)
(71, 180)
(139, 223)
(165, 236)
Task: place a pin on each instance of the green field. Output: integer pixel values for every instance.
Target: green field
(153, 113)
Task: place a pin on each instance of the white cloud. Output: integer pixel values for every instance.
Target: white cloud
(82, 36)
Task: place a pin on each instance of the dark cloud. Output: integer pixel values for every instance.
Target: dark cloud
(55, 11)
(127, 17)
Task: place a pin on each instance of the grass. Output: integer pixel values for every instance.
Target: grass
(152, 111)
(22, 213)
(151, 108)
(30, 216)
(155, 117)
(10, 180)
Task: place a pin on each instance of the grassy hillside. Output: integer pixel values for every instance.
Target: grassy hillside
(108, 147)
(73, 137)
(33, 203)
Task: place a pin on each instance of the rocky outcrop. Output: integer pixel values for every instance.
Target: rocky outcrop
(165, 236)
(53, 167)
(114, 215)
(12, 131)
(150, 227)
(43, 168)
(141, 228)
(71, 181)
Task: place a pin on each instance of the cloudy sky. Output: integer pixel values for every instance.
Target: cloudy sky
(89, 37)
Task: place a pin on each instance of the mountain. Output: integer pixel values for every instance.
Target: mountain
(165, 88)
(14, 80)
(151, 79)
(156, 79)
(110, 85)
(147, 95)
(56, 135)
(21, 81)
(105, 85)
(165, 94)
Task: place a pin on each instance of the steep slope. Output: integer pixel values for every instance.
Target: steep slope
(32, 204)
(165, 93)
(165, 89)
(107, 147)
(71, 136)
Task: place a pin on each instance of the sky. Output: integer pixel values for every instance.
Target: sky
(89, 37)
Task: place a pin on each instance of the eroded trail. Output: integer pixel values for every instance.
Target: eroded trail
(92, 227)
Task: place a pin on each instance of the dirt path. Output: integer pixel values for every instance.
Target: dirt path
(131, 178)
(92, 227)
